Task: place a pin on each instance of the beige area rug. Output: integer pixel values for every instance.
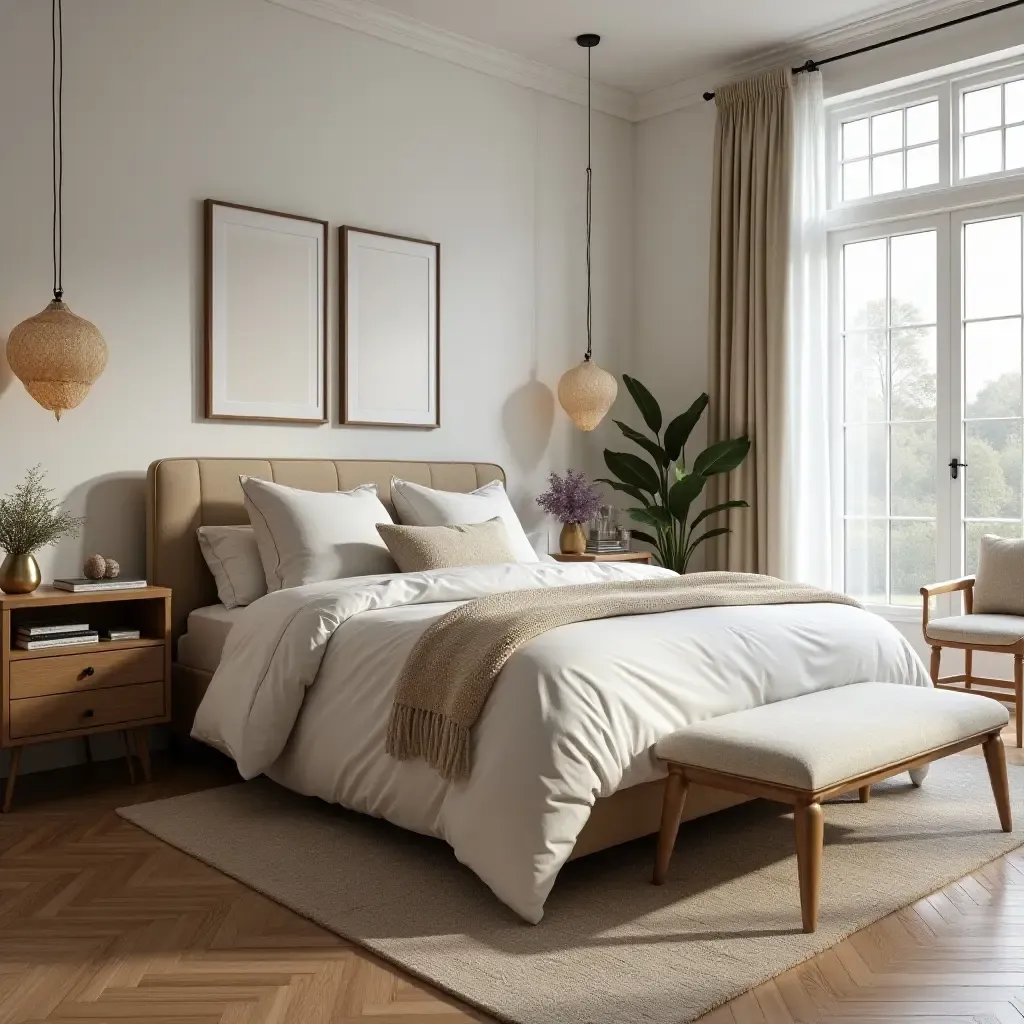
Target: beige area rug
(611, 947)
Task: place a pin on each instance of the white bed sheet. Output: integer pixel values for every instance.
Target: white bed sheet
(202, 644)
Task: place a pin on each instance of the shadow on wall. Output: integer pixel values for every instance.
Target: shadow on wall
(114, 507)
(7, 377)
(527, 419)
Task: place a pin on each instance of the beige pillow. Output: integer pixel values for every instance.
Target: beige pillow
(416, 548)
(999, 585)
(312, 536)
(234, 559)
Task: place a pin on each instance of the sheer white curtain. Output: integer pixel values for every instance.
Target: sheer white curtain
(803, 545)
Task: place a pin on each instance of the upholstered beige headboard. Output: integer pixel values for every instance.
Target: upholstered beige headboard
(184, 494)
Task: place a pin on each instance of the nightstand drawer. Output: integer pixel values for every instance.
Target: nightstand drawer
(64, 712)
(92, 670)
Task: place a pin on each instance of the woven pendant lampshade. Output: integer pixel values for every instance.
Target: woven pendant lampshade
(57, 356)
(586, 393)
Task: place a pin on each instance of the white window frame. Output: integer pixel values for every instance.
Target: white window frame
(983, 79)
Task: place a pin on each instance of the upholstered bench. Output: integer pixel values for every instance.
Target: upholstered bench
(806, 749)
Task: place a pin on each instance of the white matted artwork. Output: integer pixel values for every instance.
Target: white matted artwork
(266, 315)
(390, 309)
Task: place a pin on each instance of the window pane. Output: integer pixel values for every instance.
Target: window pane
(913, 278)
(1014, 147)
(866, 469)
(983, 109)
(995, 456)
(887, 131)
(983, 154)
(866, 362)
(864, 284)
(1014, 99)
(855, 180)
(855, 139)
(923, 166)
(973, 532)
(992, 369)
(865, 559)
(992, 282)
(886, 174)
(913, 366)
(923, 123)
(913, 469)
(913, 564)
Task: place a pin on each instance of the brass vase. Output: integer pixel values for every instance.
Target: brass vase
(572, 540)
(19, 574)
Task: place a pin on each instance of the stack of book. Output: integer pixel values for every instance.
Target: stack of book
(605, 547)
(36, 638)
(86, 586)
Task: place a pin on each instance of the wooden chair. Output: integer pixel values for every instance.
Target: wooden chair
(998, 634)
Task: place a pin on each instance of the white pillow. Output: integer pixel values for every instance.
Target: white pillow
(424, 506)
(234, 559)
(311, 536)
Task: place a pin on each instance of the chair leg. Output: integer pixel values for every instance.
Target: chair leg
(968, 668)
(995, 758)
(864, 793)
(936, 663)
(676, 788)
(1018, 689)
(810, 836)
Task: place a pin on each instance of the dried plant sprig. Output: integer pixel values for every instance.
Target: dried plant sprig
(570, 499)
(31, 518)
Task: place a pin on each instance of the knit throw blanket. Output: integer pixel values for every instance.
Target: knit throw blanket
(448, 675)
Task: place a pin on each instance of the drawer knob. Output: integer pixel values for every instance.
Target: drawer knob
(86, 672)
(88, 713)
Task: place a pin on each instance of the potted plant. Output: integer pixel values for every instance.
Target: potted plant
(668, 488)
(572, 501)
(30, 519)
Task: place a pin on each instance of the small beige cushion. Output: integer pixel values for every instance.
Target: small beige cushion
(417, 548)
(234, 559)
(993, 630)
(821, 739)
(999, 583)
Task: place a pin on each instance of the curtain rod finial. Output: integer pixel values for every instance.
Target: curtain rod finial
(709, 96)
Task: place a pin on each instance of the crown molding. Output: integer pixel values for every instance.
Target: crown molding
(690, 91)
(371, 19)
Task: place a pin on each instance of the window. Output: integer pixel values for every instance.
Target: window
(992, 129)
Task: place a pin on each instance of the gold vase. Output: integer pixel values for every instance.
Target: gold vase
(572, 540)
(19, 574)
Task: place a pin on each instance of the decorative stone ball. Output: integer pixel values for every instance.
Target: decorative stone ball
(94, 568)
(111, 570)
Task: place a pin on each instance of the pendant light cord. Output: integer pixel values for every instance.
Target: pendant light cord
(57, 104)
(590, 176)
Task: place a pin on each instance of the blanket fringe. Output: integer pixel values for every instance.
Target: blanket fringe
(417, 733)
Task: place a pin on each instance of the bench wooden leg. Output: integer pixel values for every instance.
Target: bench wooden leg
(968, 668)
(995, 758)
(810, 837)
(1018, 689)
(864, 793)
(676, 788)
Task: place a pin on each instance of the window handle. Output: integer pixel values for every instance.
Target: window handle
(955, 465)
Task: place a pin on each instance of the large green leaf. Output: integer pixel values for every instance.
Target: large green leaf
(631, 469)
(722, 457)
(655, 449)
(633, 492)
(645, 402)
(645, 537)
(739, 503)
(707, 535)
(653, 515)
(677, 433)
(683, 494)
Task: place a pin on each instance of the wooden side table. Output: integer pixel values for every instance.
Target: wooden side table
(62, 692)
(610, 556)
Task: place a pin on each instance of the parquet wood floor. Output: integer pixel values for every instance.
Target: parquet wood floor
(100, 921)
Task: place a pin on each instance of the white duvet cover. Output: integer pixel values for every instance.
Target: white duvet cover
(306, 684)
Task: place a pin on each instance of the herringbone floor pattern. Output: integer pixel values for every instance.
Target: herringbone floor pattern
(100, 921)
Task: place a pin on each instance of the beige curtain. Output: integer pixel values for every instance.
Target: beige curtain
(749, 255)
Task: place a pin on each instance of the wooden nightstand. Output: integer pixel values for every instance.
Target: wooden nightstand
(611, 556)
(61, 692)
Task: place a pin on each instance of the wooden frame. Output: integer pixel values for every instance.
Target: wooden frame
(352, 413)
(1002, 690)
(808, 819)
(218, 405)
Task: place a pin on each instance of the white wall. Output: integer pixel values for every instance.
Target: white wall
(169, 102)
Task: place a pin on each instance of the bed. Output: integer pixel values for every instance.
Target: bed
(729, 657)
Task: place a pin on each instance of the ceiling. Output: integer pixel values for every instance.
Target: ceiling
(647, 44)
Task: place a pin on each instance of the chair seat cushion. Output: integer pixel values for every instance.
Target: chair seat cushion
(821, 739)
(992, 630)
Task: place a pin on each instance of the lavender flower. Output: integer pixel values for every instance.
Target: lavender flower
(570, 499)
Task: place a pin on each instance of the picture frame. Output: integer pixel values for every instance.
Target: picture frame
(390, 316)
(266, 315)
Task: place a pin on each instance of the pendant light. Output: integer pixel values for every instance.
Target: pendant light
(587, 392)
(57, 355)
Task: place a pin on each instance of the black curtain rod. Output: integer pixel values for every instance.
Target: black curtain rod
(813, 65)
